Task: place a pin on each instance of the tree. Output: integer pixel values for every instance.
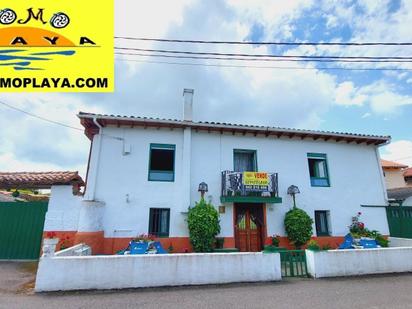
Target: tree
(298, 226)
(203, 223)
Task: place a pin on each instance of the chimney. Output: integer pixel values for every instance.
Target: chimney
(188, 104)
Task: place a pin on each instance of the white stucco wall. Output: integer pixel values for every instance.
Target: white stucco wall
(123, 186)
(407, 202)
(63, 209)
(394, 178)
(336, 263)
(132, 271)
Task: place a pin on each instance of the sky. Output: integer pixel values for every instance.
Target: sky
(311, 97)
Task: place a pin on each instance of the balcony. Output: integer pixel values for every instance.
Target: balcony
(249, 187)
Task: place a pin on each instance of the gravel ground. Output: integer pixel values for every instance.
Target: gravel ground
(384, 291)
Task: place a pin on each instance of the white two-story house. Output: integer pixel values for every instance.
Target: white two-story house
(144, 174)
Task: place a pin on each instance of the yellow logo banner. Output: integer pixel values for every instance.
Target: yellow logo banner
(60, 46)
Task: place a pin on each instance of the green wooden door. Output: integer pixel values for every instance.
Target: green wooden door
(21, 229)
(399, 221)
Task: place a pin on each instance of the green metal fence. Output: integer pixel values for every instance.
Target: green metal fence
(21, 229)
(293, 263)
(399, 221)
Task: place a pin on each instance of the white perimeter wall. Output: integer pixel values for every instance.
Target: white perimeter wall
(63, 209)
(336, 263)
(122, 271)
(354, 171)
(400, 242)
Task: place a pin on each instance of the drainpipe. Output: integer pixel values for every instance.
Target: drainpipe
(90, 195)
(383, 183)
(187, 148)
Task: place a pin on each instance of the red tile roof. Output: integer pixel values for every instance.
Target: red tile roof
(408, 172)
(87, 121)
(39, 180)
(391, 164)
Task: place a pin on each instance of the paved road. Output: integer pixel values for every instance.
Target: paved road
(389, 291)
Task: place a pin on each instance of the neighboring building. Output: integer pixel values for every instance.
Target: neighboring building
(394, 174)
(6, 197)
(407, 175)
(40, 180)
(400, 196)
(398, 178)
(144, 174)
(25, 220)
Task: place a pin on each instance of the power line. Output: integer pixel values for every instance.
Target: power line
(263, 67)
(267, 43)
(54, 122)
(297, 57)
(264, 59)
(40, 117)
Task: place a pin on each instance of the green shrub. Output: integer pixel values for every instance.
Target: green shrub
(326, 247)
(313, 245)
(380, 239)
(298, 226)
(203, 223)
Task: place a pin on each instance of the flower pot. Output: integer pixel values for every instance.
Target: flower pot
(49, 246)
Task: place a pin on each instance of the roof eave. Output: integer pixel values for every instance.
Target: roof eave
(104, 120)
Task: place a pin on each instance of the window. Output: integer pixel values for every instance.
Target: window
(244, 160)
(162, 162)
(159, 222)
(321, 222)
(318, 170)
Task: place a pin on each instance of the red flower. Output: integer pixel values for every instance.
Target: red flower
(50, 234)
(361, 225)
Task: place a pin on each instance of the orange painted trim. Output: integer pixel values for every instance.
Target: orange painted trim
(332, 241)
(171, 244)
(102, 245)
(94, 239)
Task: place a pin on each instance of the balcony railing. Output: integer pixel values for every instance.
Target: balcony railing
(250, 187)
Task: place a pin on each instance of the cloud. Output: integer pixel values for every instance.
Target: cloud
(347, 94)
(381, 96)
(399, 151)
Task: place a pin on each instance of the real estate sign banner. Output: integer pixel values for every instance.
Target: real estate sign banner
(49, 45)
(255, 181)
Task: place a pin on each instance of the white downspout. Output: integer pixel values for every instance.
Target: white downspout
(383, 183)
(91, 190)
(187, 149)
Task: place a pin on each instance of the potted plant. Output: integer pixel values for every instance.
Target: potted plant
(65, 243)
(275, 240)
(274, 246)
(313, 245)
(219, 242)
(144, 238)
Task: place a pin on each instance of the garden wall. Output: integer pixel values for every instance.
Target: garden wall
(400, 242)
(336, 263)
(133, 271)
